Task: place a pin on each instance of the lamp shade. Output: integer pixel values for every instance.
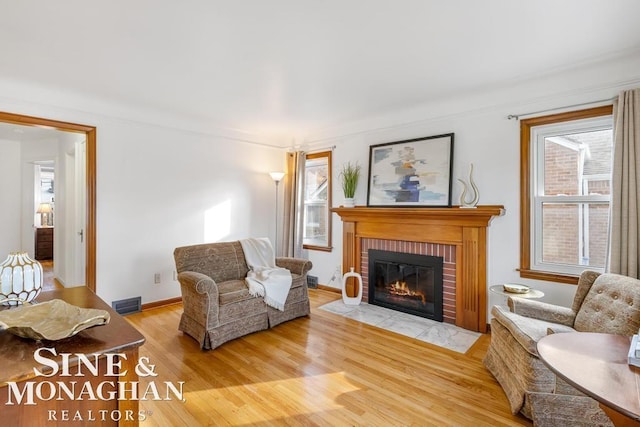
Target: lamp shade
(276, 176)
(44, 208)
(21, 279)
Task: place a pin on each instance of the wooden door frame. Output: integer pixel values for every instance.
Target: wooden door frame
(90, 133)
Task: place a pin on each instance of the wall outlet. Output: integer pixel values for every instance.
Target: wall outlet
(156, 278)
(337, 275)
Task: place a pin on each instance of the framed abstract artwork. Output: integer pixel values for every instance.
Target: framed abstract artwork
(411, 173)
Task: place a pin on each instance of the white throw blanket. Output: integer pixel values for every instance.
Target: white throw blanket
(264, 278)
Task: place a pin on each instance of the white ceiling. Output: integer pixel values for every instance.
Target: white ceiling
(20, 133)
(291, 67)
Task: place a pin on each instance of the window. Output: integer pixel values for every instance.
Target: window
(565, 193)
(317, 202)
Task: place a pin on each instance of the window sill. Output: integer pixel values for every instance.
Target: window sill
(549, 277)
(317, 248)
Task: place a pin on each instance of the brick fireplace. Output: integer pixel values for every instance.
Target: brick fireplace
(446, 252)
(457, 234)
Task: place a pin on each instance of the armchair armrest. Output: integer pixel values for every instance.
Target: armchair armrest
(542, 311)
(200, 297)
(294, 265)
(200, 283)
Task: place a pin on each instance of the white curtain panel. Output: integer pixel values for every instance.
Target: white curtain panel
(625, 222)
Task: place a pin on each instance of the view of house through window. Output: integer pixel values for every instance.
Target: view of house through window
(569, 192)
(317, 201)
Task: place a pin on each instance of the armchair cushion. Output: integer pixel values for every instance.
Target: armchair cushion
(542, 311)
(612, 306)
(233, 291)
(558, 329)
(526, 331)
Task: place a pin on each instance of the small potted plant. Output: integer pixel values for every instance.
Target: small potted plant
(350, 174)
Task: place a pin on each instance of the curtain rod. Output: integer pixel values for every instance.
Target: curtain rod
(517, 116)
(318, 150)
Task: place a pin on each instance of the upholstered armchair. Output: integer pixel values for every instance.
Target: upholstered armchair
(218, 306)
(605, 303)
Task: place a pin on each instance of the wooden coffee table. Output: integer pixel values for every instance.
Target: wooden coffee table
(596, 364)
(17, 366)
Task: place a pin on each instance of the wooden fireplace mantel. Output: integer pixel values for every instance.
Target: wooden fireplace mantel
(464, 228)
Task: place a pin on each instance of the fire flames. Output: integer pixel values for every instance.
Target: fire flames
(402, 290)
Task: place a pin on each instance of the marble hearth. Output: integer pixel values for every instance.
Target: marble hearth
(459, 234)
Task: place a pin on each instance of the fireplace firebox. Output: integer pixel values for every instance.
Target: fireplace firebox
(410, 283)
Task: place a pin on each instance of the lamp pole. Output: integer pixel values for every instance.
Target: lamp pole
(277, 177)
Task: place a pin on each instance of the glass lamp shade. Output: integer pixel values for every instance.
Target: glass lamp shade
(21, 279)
(276, 176)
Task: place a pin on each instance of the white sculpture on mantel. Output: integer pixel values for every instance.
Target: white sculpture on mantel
(475, 197)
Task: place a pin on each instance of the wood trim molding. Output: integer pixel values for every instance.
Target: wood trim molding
(328, 154)
(549, 277)
(91, 195)
(461, 227)
(161, 303)
(91, 160)
(525, 187)
(329, 289)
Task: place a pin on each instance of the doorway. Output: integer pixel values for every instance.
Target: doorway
(88, 159)
(44, 195)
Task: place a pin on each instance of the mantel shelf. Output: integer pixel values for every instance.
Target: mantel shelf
(478, 216)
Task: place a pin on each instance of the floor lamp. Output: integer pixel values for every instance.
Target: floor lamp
(277, 177)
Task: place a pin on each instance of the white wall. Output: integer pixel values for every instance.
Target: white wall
(484, 136)
(155, 186)
(159, 187)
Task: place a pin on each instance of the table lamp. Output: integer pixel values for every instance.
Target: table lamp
(44, 210)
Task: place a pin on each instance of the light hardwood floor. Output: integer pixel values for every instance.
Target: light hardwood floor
(49, 281)
(323, 370)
